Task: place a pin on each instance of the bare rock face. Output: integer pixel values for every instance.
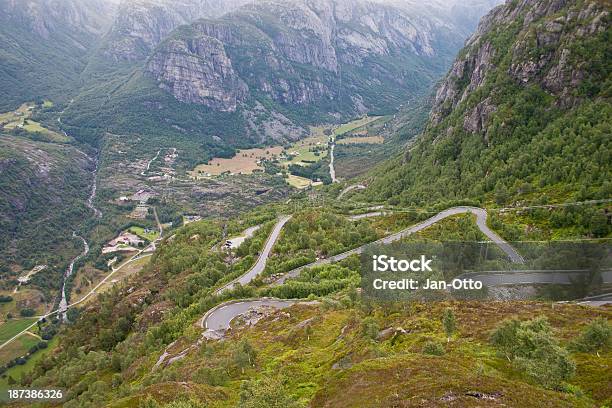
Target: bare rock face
(198, 71)
(477, 119)
(140, 25)
(45, 17)
(292, 52)
(469, 73)
(538, 56)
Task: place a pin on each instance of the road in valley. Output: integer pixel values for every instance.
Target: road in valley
(64, 306)
(533, 277)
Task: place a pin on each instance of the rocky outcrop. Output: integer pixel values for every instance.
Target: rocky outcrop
(140, 25)
(197, 70)
(294, 53)
(47, 17)
(476, 120)
(539, 55)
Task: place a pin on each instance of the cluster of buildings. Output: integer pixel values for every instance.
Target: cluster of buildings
(126, 241)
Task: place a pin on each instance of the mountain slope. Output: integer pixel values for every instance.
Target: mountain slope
(44, 45)
(43, 188)
(525, 108)
(269, 68)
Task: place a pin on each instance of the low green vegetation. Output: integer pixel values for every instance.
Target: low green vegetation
(55, 198)
(316, 233)
(595, 337)
(532, 348)
(12, 327)
(148, 233)
(356, 124)
(341, 339)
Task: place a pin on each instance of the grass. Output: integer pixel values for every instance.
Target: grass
(21, 117)
(25, 295)
(301, 150)
(18, 370)
(85, 281)
(10, 328)
(123, 273)
(149, 236)
(347, 127)
(393, 371)
(362, 140)
(17, 348)
(298, 182)
(244, 162)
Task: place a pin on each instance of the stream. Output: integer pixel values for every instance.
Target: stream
(332, 170)
(63, 305)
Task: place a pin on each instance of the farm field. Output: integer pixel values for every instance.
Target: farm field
(23, 298)
(347, 127)
(244, 162)
(18, 348)
(149, 236)
(12, 118)
(21, 117)
(362, 140)
(12, 327)
(298, 182)
(16, 372)
(302, 153)
(85, 281)
(120, 275)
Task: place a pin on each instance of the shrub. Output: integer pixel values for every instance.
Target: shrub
(27, 312)
(433, 348)
(596, 336)
(212, 376)
(267, 392)
(532, 348)
(450, 323)
(369, 328)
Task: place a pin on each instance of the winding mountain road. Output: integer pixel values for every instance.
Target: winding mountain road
(481, 222)
(351, 188)
(218, 319)
(261, 261)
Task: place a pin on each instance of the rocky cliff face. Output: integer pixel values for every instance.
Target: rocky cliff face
(197, 70)
(541, 54)
(295, 52)
(140, 25)
(525, 106)
(48, 17)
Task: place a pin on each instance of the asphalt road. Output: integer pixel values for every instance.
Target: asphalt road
(261, 261)
(481, 221)
(221, 317)
(532, 277)
(217, 320)
(351, 188)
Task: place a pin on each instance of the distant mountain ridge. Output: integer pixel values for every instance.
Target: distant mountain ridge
(269, 68)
